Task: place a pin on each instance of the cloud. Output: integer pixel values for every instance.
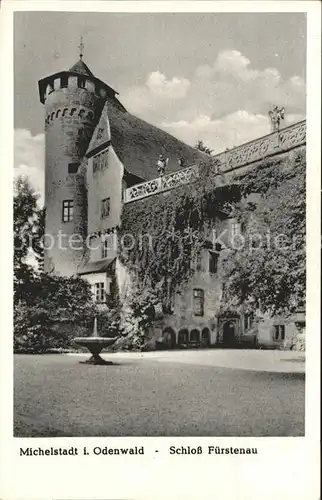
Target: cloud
(231, 83)
(226, 132)
(176, 88)
(158, 93)
(29, 159)
(216, 99)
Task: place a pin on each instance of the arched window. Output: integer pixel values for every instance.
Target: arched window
(183, 337)
(205, 337)
(58, 113)
(194, 336)
(65, 112)
(81, 113)
(52, 115)
(169, 338)
(73, 111)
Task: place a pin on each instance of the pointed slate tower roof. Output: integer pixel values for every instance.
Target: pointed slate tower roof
(81, 68)
(102, 135)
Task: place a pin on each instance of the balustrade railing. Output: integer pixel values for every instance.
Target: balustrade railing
(250, 152)
(161, 184)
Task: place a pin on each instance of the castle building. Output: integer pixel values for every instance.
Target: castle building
(98, 157)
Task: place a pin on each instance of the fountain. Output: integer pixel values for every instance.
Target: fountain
(95, 344)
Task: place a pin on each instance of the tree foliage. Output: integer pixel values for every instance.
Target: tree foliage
(24, 215)
(47, 309)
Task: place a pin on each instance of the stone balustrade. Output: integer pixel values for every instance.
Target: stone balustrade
(250, 152)
(161, 184)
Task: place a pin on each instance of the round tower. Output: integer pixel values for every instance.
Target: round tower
(73, 103)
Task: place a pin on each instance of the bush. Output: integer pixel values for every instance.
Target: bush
(32, 330)
(55, 310)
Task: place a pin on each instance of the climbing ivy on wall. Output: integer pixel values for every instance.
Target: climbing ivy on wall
(162, 236)
(269, 268)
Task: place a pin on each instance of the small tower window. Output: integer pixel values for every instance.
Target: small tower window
(81, 82)
(68, 210)
(64, 82)
(105, 208)
(73, 167)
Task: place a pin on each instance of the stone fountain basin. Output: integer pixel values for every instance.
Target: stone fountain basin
(92, 341)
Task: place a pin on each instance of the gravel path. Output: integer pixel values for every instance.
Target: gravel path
(155, 395)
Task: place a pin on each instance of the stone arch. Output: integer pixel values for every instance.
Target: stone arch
(73, 111)
(229, 333)
(205, 337)
(183, 337)
(52, 115)
(169, 337)
(58, 113)
(81, 113)
(195, 336)
(65, 111)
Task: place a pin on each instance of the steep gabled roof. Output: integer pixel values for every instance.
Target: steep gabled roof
(138, 144)
(81, 68)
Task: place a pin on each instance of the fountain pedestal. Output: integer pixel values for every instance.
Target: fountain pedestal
(95, 345)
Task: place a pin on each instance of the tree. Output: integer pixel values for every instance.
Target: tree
(201, 147)
(268, 265)
(25, 212)
(38, 237)
(47, 308)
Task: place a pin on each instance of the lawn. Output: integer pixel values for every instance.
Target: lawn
(55, 395)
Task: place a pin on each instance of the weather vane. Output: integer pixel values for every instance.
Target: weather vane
(81, 47)
(276, 115)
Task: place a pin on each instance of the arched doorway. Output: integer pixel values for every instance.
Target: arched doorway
(229, 333)
(183, 338)
(169, 338)
(195, 338)
(205, 337)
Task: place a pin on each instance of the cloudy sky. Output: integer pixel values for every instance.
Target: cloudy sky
(211, 77)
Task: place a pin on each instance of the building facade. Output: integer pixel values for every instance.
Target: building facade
(100, 157)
